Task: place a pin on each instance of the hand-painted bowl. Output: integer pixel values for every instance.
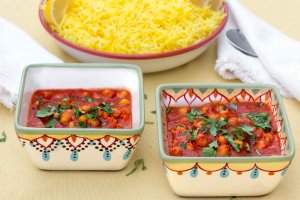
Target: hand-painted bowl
(82, 148)
(147, 62)
(224, 176)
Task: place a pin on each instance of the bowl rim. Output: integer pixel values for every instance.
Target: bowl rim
(132, 56)
(255, 159)
(82, 131)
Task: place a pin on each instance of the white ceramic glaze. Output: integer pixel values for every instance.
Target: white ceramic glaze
(147, 65)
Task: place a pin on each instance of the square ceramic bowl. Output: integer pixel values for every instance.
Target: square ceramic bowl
(224, 176)
(80, 148)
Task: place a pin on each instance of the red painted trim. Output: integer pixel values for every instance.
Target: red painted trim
(135, 56)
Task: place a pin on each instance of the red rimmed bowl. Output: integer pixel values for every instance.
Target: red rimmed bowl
(148, 62)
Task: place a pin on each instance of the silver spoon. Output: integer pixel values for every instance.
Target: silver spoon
(238, 40)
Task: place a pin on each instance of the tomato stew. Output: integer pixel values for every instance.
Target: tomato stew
(80, 108)
(222, 129)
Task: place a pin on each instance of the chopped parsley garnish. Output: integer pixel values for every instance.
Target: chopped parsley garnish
(48, 111)
(214, 144)
(3, 139)
(260, 104)
(82, 124)
(183, 145)
(236, 147)
(216, 126)
(209, 152)
(248, 148)
(261, 120)
(194, 114)
(77, 112)
(107, 108)
(51, 123)
(65, 99)
(137, 163)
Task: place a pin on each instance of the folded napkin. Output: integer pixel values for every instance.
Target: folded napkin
(279, 55)
(17, 49)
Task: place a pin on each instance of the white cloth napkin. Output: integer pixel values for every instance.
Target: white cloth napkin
(17, 49)
(279, 55)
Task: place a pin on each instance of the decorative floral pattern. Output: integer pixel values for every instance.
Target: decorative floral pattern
(107, 144)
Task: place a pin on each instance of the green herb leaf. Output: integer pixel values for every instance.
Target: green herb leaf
(65, 99)
(82, 124)
(213, 129)
(261, 120)
(3, 139)
(181, 125)
(234, 106)
(214, 144)
(233, 144)
(48, 111)
(51, 123)
(248, 148)
(40, 103)
(248, 129)
(194, 114)
(183, 145)
(137, 163)
(77, 112)
(194, 134)
(107, 108)
(209, 152)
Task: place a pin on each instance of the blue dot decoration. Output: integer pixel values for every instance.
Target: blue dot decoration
(224, 173)
(127, 154)
(45, 155)
(194, 172)
(74, 155)
(255, 173)
(106, 155)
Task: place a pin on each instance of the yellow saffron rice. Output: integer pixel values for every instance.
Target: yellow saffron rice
(137, 26)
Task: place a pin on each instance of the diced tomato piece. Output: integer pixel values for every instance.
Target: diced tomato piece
(260, 144)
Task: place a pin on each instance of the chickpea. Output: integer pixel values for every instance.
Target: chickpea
(205, 108)
(85, 108)
(176, 151)
(268, 137)
(119, 126)
(108, 93)
(260, 144)
(202, 140)
(83, 118)
(223, 150)
(233, 121)
(190, 146)
(56, 115)
(86, 94)
(222, 140)
(103, 114)
(183, 110)
(122, 94)
(125, 111)
(259, 132)
(125, 117)
(124, 102)
(93, 123)
(65, 117)
(71, 124)
(96, 95)
(117, 112)
(65, 101)
(197, 124)
(180, 129)
(239, 142)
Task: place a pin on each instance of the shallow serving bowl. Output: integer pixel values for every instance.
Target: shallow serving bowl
(82, 148)
(224, 176)
(147, 62)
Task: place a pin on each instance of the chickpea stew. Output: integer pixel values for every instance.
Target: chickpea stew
(222, 129)
(80, 108)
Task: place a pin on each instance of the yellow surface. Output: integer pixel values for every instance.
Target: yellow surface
(19, 179)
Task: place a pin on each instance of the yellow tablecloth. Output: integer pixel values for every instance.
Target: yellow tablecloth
(19, 179)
